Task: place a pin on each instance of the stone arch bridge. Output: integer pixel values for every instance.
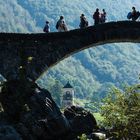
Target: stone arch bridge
(36, 53)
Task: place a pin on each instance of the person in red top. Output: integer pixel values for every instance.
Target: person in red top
(134, 13)
(96, 17)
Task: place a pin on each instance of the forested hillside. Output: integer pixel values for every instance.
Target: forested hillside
(93, 71)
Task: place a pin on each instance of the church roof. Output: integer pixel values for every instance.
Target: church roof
(68, 85)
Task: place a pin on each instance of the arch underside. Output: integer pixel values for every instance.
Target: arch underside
(39, 52)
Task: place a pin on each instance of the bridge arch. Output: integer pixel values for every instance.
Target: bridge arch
(38, 52)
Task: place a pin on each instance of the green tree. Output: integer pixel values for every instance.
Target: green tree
(82, 137)
(121, 111)
(56, 91)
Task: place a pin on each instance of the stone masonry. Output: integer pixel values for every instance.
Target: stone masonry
(33, 54)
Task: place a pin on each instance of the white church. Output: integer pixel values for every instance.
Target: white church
(67, 95)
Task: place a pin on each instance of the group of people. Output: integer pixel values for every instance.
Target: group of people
(97, 17)
(62, 27)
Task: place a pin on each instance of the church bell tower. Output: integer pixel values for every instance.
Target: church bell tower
(68, 95)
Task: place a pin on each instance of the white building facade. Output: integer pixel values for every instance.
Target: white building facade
(67, 96)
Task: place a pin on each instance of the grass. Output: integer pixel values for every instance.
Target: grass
(98, 117)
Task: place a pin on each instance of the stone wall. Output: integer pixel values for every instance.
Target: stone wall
(32, 54)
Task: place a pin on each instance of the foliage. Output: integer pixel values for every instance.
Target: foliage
(56, 91)
(99, 118)
(121, 111)
(83, 137)
(55, 88)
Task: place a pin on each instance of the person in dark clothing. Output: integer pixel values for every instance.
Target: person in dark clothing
(134, 13)
(47, 27)
(96, 17)
(83, 21)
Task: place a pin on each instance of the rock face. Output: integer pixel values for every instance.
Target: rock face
(77, 116)
(8, 133)
(31, 114)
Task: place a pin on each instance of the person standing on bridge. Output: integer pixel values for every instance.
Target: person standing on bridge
(135, 14)
(83, 21)
(103, 16)
(61, 25)
(46, 29)
(96, 17)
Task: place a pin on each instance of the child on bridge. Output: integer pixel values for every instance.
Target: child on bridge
(46, 28)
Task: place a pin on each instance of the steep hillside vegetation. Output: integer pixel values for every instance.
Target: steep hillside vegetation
(92, 71)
